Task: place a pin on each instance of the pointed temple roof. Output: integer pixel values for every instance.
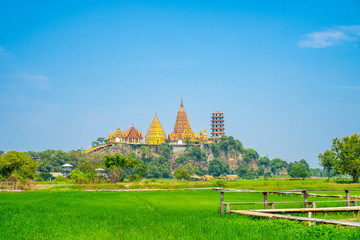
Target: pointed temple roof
(133, 133)
(155, 128)
(118, 133)
(182, 126)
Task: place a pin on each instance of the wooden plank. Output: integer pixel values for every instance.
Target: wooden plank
(279, 191)
(301, 210)
(288, 217)
(309, 202)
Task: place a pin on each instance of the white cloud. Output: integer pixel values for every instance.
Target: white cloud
(37, 81)
(331, 37)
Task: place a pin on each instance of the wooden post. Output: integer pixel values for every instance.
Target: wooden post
(272, 205)
(355, 203)
(309, 216)
(222, 202)
(228, 208)
(313, 204)
(265, 200)
(347, 197)
(305, 198)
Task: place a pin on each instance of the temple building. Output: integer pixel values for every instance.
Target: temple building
(217, 125)
(203, 137)
(182, 129)
(116, 137)
(133, 136)
(155, 134)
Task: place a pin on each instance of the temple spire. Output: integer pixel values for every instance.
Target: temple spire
(181, 104)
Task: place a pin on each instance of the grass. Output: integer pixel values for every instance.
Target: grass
(271, 184)
(49, 214)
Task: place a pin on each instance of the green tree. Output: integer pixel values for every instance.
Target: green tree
(306, 164)
(242, 170)
(141, 170)
(18, 162)
(218, 167)
(277, 165)
(264, 161)
(43, 176)
(117, 163)
(298, 170)
(347, 152)
(77, 176)
(101, 140)
(328, 161)
(182, 174)
(250, 154)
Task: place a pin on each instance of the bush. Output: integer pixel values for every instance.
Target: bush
(182, 174)
(221, 183)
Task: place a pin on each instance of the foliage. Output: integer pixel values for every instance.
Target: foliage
(250, 154)
(218, 167)
(264, 161)
(277, 164)
(43, 176)
(51, 160)
(182, 174)
(347, 152)
(19, 163)
(221, 183)
(141, 170)
(298, 170)
(77, 176)
(193, 153)
(119, 160)
(303, 161)
(117, 164)
(99, 141)
(328, 161)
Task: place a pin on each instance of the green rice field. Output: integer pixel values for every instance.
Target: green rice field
(150, 215)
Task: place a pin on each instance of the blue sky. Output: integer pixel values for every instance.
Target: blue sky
(286, 74)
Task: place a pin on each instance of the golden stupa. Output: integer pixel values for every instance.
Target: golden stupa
(182, 129)
(203, 137)
(155, 134)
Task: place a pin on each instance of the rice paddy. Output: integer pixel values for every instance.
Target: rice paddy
(149, 215)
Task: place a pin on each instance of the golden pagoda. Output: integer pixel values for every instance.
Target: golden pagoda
(133, 136)
(203, 138)
(116, 137)
(182, 129)
(155, 134)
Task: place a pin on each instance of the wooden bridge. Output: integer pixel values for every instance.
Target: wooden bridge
(276, 213)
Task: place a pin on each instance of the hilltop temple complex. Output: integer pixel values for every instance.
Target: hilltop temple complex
(182, 133)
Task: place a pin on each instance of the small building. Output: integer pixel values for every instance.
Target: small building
(232, 177)
(208, 177)
(100, 172)
(195, 178)
(66, 169)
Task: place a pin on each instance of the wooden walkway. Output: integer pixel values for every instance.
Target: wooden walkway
(305, 210)
(288, 217)
(275, 213)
